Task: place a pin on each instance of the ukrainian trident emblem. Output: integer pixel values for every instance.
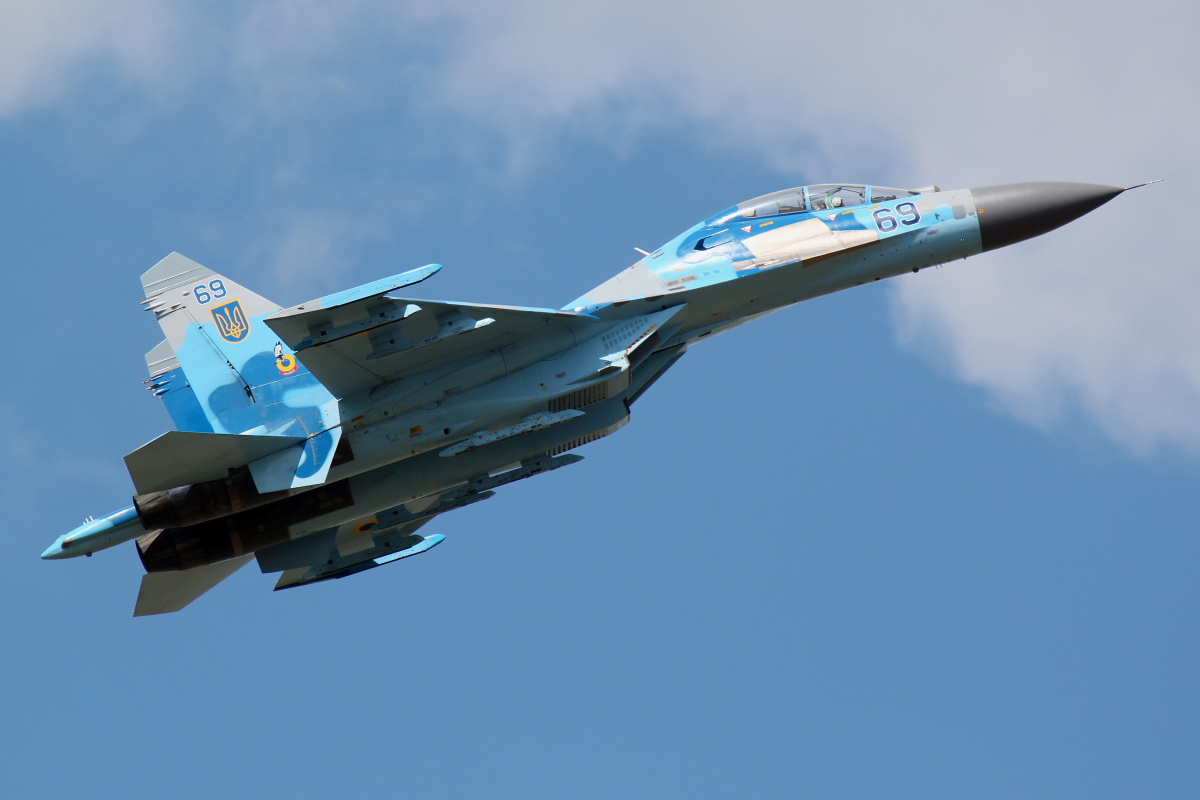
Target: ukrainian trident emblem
(231, 321)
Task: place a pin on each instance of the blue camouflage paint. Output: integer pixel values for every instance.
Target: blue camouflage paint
(181, 402)
(235, 376)
(378, 287)
(722, 247)
(241, 386)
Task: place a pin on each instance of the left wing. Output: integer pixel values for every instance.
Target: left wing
(348, 549)
(402, 542)
(385, 537)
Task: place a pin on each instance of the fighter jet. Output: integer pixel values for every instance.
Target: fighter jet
(320, 440)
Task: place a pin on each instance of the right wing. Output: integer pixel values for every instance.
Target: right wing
(355, 340)
(339, 552)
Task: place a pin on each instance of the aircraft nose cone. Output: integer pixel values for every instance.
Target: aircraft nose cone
(1013, 212)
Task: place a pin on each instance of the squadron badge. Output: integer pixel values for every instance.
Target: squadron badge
(284, 362)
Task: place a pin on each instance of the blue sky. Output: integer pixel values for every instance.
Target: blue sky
(929, 538)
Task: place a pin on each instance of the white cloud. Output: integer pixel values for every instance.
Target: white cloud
(308, 247)
(1082, 318)
(1099, 316)
(47, 47)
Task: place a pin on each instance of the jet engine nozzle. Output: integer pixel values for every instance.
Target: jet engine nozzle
(1013, 212)
(201, 502)
(171, 549)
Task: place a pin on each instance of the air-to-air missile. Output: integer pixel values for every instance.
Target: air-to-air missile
(320, 439)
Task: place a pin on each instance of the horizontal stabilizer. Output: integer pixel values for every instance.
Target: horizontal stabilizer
(179, 458)
(164, 592)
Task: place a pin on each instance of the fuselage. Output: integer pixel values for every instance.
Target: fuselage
(432, 438)
(747, 261)
(794, 245)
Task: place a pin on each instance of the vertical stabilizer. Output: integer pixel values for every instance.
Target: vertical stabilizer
(223, 370)
(180, 291)
(168, 382)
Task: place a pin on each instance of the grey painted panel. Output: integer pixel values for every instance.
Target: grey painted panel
(164, 592)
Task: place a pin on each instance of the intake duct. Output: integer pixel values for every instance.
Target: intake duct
(201, 502)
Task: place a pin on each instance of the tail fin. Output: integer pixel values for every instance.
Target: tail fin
(179, 291)
(168, 381)
(238, 376)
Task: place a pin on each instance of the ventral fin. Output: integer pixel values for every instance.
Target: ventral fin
(304, 464)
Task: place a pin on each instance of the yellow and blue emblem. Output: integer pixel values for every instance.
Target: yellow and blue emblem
(231, 321)
(286, 364)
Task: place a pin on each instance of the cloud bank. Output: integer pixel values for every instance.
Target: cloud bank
(1100, 316)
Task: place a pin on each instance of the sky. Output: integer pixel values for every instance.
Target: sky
(934, 537)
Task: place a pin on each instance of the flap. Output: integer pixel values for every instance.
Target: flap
(178, 458)
(164, 592)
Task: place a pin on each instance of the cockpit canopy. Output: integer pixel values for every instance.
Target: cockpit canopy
(817, 197)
